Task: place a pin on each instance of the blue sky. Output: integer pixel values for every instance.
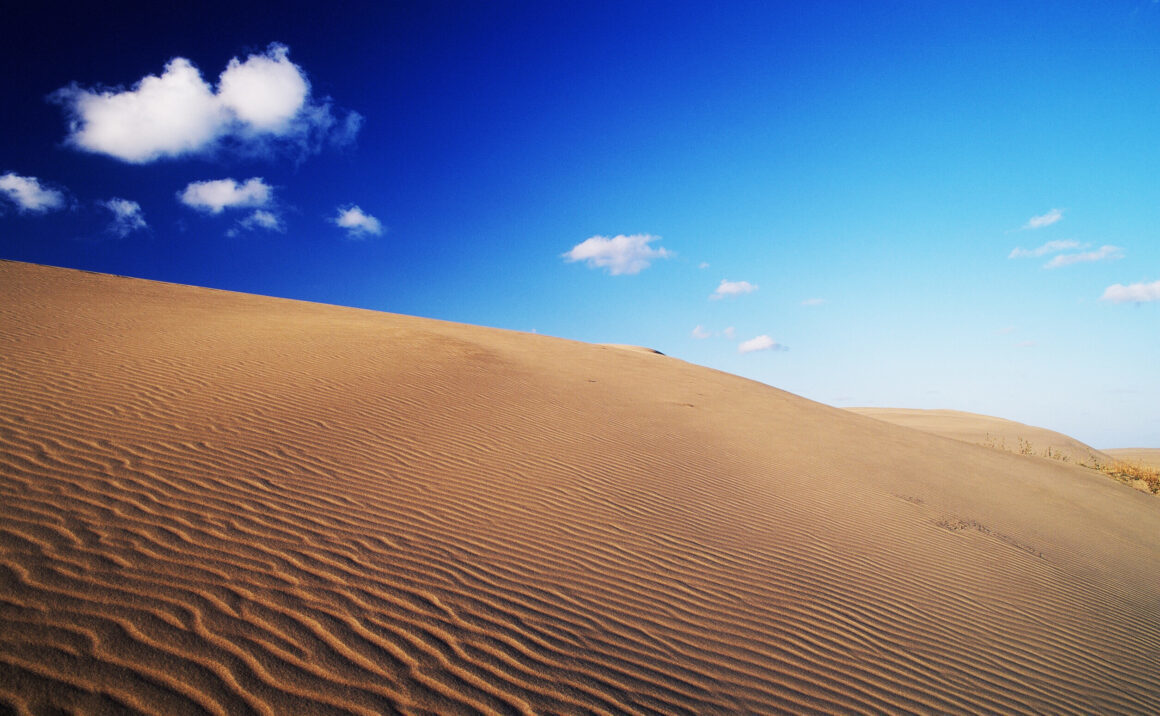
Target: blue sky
(913, 204)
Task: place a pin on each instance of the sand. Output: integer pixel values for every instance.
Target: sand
(228, 504)
(1148, 457)
(991, 432)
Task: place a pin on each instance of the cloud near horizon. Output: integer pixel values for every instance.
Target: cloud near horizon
(28, 194)
(1103, 253)
(1132, 293)
(732, 288)
(127, 217)
(1038, 222)
(620, 254)
(760, 343)
(259, 103)
(219, 194)
(357, 222)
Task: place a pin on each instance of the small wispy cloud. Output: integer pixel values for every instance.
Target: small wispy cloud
(219, 194)
(1038, 222)
(1006, 330)
(730, 333)
(1051, 247)
(703, 265)
(620, 255)
(1132, 293)
(1025, 344)
(259, 103)
(700, 333)
(127, 217)
(813, 302)
(732, 288)
(1103, 253)
(28, 194)
(760, 343)
(260, 219)
(357, 222)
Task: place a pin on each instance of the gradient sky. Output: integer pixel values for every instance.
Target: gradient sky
(920, 204)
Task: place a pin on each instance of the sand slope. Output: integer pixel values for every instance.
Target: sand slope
(989, 431)
(228, 504)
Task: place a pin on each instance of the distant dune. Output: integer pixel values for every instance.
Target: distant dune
(990, 432)
(221, 503)
(1149, 457)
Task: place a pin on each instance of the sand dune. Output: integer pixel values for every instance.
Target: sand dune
(227, 504)
(989, 431)
(1149, 457)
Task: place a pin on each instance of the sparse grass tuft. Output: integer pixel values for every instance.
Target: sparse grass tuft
(1130, 472)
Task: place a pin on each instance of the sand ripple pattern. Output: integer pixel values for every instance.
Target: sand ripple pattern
(226, 504)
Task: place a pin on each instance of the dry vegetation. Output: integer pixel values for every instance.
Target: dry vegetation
(1121, 470)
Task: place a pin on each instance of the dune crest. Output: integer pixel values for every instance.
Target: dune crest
(222, 503)
(990, 432)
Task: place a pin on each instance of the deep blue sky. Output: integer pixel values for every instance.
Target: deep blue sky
(884, 161)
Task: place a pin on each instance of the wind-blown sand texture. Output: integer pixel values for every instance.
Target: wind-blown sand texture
(1148, 457)
(989, 431)
(222, 503)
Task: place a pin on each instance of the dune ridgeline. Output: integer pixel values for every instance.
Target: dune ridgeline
(228, 504)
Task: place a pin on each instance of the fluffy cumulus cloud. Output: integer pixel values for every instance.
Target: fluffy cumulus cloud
(1132, 293)
(732, 288)
(1038, 222)
(29, 195)
(700, 333)
(1051, 247)
(127, 216)
(618, 254)
(357, 222)
(760, 343)
(1103, 253)
(218, 194)
(257, 104)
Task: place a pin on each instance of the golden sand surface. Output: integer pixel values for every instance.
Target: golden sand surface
(991, 432)
(222, 503)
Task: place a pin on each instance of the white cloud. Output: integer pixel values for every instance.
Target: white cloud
(214, 196)
(700, 333)
(760, 343)
(262, 100)
(1025, 344)
(127, 216)
(619, 254)
(1132, 293)
(29, 195)
(813, 301)
(703, 265)
(1038, 222)
(265, 92)
(356, 222)
(732, 288)
(262, 219)
(1103, 253)
(1050, 247)
(729, 332)
(1006, 330)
